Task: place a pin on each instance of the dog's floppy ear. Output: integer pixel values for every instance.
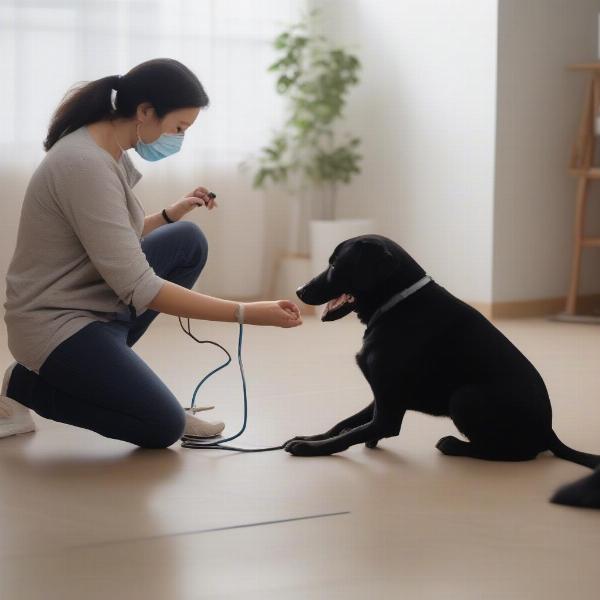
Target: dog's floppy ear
(372, 263)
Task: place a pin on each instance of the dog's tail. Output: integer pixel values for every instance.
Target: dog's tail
(581, 458)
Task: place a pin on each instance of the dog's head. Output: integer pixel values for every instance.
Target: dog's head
(363, 272)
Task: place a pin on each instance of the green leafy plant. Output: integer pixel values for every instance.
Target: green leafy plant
(315, 78)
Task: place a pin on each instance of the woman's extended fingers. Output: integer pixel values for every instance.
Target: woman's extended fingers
(292, 322)
(290, 307)
(293, 318)
(272, 312)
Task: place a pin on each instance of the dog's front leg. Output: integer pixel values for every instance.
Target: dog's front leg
(361, 417)
(381, 374)
(375, 429)
(393, 423)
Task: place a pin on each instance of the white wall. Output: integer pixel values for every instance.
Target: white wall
(467, 114)
(539, 102)
(425, 110)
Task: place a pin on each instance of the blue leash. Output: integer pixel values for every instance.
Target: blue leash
(196, 442)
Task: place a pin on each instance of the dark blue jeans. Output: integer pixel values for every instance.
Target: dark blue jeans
(96, 381)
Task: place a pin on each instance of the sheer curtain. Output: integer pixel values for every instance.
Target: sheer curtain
(48, 45)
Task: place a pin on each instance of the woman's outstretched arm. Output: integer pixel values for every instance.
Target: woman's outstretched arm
(177, 300)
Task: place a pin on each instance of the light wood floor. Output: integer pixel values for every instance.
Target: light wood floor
(84, 518)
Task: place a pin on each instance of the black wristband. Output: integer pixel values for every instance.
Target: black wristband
(166, 217)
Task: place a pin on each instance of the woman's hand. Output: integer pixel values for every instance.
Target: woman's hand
(280, 313)
(198, 197)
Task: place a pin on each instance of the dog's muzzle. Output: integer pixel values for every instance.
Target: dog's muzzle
(321, 290)
(335, 309)
(338, 307)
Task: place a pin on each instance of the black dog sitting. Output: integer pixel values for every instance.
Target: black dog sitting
(425, 350)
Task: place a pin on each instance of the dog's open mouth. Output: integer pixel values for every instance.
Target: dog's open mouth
(338, 307)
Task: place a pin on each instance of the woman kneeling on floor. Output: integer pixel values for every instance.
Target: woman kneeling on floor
(91, 271)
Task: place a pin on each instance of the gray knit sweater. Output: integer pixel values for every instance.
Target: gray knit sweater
(78, 257)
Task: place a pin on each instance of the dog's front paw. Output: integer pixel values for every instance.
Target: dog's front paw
(306, 448)
(307, 438)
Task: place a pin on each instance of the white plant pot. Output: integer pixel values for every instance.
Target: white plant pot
(326, 235)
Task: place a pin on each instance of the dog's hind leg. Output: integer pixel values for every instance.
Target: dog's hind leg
(452, 446)
(497, 426)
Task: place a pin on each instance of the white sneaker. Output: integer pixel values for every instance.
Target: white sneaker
(14, 417)
(199, 428)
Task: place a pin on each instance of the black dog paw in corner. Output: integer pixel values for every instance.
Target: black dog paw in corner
(583, 493)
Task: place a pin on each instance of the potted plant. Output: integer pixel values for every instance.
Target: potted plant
(307, 156)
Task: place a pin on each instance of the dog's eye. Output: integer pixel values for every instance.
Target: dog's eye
(329, 273)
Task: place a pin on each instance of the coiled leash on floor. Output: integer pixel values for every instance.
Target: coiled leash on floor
(196, 442)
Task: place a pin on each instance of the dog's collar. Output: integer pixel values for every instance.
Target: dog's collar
(396, 298)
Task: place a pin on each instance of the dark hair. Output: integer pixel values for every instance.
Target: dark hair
(163, 82)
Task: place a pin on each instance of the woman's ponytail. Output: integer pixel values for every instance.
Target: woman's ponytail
(163, 82)
(84, 104)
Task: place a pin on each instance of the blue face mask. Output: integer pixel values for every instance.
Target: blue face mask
(165, 145)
